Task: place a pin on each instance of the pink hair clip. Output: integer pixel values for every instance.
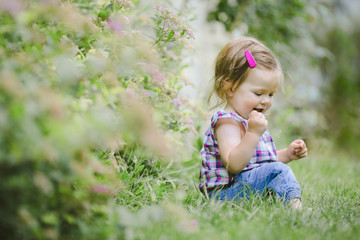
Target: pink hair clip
(250, 59)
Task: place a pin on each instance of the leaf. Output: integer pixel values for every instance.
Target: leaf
(139, 168)
(171, 34)
(103, 14)
(49, 218)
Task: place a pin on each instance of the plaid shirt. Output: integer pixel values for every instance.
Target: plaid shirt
(213, 171)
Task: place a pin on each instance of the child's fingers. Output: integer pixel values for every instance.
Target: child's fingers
(300, 144)
(299, 147)
(302, 153)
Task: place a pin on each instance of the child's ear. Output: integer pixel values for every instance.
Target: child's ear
(228, 88)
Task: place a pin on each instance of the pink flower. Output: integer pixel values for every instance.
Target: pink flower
(146, 93)
(189, 225)
(158, 76)
(100, 189)
(13, 7)
(177, 102)
(189, 33)
(152, 69)
(113, 25)
(195, 223)
(126, 4)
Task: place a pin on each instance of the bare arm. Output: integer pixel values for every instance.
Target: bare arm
(283, 156)
(236, 151)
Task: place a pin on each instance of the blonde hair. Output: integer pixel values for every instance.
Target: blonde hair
(231, 66)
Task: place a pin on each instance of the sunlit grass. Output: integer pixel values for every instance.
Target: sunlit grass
(330, 193)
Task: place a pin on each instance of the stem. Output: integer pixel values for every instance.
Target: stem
(159, 39)
(163, 33)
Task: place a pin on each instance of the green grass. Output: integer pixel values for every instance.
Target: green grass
(331, 201)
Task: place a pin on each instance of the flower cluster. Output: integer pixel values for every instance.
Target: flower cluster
(125, 4)
(169, 26)
(152, 69)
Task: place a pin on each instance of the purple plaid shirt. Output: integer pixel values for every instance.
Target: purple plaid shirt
(213, 171)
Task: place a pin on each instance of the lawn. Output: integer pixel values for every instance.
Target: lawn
(330, 188)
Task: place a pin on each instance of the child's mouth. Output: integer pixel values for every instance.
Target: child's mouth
(260, 110)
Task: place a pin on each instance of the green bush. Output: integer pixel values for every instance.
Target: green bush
(88, 100)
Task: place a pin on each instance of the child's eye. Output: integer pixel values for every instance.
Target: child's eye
(257, 94)
(271, 94)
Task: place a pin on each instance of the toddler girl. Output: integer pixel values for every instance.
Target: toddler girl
(239, 155)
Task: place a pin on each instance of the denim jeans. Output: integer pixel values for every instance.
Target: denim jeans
(276, 176)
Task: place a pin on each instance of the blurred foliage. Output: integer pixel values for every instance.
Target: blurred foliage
(342, 111)
(319, 42)
(267, 20)
(88, 100)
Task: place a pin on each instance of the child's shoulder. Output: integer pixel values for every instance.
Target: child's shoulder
(222, 114)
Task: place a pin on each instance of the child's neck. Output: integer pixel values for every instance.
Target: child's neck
(229, 108)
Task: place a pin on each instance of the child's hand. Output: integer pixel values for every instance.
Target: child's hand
(297, 149)
(257, 123)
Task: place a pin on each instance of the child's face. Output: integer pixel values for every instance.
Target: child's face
(255, 93)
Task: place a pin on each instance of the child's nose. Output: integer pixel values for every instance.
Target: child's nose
(266, 100)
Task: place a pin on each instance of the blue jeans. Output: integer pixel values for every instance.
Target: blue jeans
(275, 176)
